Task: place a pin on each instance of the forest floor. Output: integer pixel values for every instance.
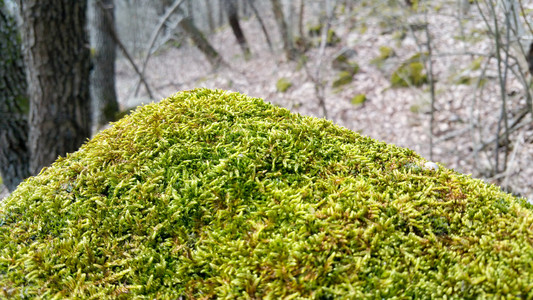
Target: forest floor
(465, 117)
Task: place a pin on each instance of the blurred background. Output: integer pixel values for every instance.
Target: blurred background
(450, 79)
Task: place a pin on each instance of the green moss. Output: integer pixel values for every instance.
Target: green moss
(332, 39)
(283, 85)
(466, 80)
(384, 53)
(302, 60)
(358, 99)
(315, 30)
(476, 64)
(414, 108)
(410, 74)
(343, 78)
(342, 62)
(211, 194)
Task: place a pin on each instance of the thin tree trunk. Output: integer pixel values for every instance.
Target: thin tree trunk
(284, 30)
(14, 104)
(201, 42)
(232, 9)
(263, 27)
(103, 93)
(57, 60)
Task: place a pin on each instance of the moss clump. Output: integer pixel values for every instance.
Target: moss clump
(343, 78)
(211, 194)
(331, 38)
(358, 99)
(283, 85)
(384, 54)
(410, 74)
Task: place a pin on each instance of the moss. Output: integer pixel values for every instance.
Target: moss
(315, 30)
(466, 80)
(211, 194)
(343, 62)
(283, 85)
(384, 53)
(302, 60)
(358, 99)
(332, 39)
(343, 78)
(476, 64)
(409, 74)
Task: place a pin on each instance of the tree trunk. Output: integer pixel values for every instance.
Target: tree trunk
(103, 92)
(57, 60)
(14, 104)
(200, 42)
(288, 48)
(232, 9)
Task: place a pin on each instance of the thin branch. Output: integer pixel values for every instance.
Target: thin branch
(153, 38)
(263, 27)
(125, 52)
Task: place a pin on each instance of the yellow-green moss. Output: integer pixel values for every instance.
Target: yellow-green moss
(343, 78)
(358, 99)
(410, 74)
(384, 53)
(283, 85)
(215, 195)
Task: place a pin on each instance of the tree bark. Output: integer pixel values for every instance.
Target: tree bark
(200, 42)
(57, 60)
(14, 104)
(288, 48)
(103, 93)
(232, 9)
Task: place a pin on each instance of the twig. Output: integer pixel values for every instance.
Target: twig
(153, 38)
(263, 27)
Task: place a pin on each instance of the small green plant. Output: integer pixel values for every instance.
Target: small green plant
(332, 38)
(343, 78)
(358, 99)
(410, 74)
(283, 85)
(384, 53)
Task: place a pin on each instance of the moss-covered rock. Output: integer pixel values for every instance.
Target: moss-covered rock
(211, 194)
(283, 84)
